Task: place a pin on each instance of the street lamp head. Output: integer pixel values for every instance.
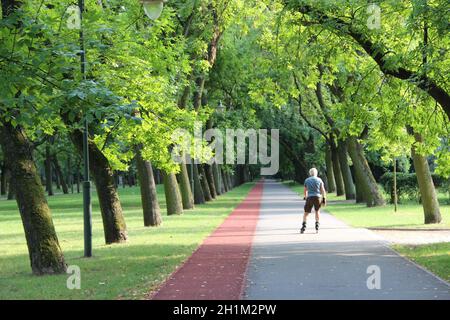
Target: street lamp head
(153, 8)
(220, 107)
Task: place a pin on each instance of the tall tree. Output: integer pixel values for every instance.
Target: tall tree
(172, 192)
(350, 192)
(428, 194)
(150, 205)
(373, 196)
(45, 253)
(330, 173)
(340, 189)
(114, 225)
(60, 174)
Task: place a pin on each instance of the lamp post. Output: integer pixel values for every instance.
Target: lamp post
(87, 203)
(153, 9)
(220, 107)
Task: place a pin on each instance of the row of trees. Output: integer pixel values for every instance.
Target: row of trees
(342, 92)
(339, 91)
(143, 81)
(372, 91)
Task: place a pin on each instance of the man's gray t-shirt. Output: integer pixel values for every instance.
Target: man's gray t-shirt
(313, 185)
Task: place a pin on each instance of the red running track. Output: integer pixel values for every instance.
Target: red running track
(216, 270)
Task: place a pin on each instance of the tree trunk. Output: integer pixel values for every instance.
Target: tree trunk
(200, 83)
(199, 195)
(372, 194)
(56, 176)
(113, 221)
(237, 179)
(358, 187)
(78, 178)
(340, 191)
(45, 253)
(246, 170)
(240, 175)
(11, 191)
(330, 173)
(185, 187)
(394, 187)
(350, 192)
(150, 205)
(48, 171)
(204, 182)
(224, 180)
(126, 179)
(217, 178)
(116, 179)
(60, 175)
(3, 180)
(426, 186)
(123, 179)
(130, 177)
(301, 173)
(230, 180)
(210, 179)
(157, 176)
(173, 196)
(69, 173)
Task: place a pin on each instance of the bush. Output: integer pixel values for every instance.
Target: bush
(407, 186)
(446, 188)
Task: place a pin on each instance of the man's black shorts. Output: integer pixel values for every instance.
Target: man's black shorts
(312, 202)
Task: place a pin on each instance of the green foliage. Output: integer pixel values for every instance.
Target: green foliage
(407, 185)
(268, 59)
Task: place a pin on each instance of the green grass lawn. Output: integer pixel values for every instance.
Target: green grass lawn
(121, 271)
(409, 215)
(434, 257)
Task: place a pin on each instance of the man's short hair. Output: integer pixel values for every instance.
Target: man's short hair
(313, 172)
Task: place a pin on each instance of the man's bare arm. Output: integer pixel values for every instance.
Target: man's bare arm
(323, 191)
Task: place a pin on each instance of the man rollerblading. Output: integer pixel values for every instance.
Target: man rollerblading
(315, 196)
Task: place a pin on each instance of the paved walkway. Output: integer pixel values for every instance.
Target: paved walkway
(329, 265)
(258, 253)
